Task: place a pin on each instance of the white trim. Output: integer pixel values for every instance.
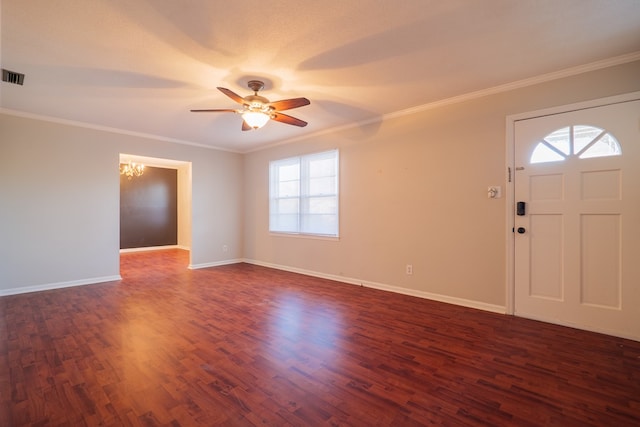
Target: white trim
(510, 206)
(510, 196)
(214, 264)
(593, 103)
(384, 287)
(304, 236)
(59, 285)
(154, 161)
(92, 126)
(567, 72)
(153, 248)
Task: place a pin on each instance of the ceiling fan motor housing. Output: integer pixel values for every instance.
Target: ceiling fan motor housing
(257, 103)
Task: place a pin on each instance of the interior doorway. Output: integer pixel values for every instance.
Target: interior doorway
(181, 171)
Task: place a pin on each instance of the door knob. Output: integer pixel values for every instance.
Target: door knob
(521, 230)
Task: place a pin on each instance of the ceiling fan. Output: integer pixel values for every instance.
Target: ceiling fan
(257, 110)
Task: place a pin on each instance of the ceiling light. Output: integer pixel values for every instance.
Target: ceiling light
(255, 119)
(131, 169)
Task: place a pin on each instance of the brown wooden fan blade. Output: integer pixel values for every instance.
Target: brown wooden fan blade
(283, 118)
(245, 126)
(287, 104)
(215, 110)
(231, 94)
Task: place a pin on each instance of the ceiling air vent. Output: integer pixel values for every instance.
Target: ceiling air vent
(12, 77)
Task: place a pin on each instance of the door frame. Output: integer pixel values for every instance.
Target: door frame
(510, 193)
(184, 196)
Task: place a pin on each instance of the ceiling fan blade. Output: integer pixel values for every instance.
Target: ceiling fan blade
(245, 126)
(287, 104)
(231, 94)
(215, 110)
(283, 118)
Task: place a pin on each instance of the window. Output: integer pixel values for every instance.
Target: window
(303, 194)
(579, 140)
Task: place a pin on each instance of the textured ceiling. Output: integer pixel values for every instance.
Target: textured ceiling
(140, 66)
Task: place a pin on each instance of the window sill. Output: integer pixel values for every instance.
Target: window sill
(304, 236)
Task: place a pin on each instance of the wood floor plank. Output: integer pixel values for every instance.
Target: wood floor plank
(242, 345)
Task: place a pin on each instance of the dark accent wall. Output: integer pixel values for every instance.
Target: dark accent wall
(149, 209)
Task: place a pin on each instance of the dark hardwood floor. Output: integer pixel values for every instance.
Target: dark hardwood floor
(242, 345)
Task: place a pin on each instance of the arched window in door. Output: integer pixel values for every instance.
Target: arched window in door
(581, 141)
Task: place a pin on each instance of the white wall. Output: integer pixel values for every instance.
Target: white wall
(59, 202)
(414, 191)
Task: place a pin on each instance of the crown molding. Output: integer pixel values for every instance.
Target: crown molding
(85, 125)
(543, 78)
(567, 72)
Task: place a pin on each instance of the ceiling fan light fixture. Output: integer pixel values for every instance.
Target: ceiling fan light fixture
(255, 119)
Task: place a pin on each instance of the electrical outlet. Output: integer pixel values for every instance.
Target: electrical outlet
(409, 269)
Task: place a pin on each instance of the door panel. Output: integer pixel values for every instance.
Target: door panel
(546, 256)
(577, 262)
(601, 260)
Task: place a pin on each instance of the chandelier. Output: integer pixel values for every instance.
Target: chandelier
(131, 169)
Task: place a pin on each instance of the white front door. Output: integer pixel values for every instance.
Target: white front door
(577, 238)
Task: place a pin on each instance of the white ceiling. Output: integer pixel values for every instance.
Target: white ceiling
(141, 65)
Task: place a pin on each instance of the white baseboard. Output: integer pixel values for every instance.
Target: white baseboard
(154, 248)
(214, 264)
(58, 285)
(390, 288)
(352, 281)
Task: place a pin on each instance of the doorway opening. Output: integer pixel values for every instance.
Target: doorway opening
(155, 207)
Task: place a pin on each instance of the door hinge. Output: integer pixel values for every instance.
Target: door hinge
(509, 171)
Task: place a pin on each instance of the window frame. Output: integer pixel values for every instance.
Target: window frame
(548, 146)
(304, 196)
